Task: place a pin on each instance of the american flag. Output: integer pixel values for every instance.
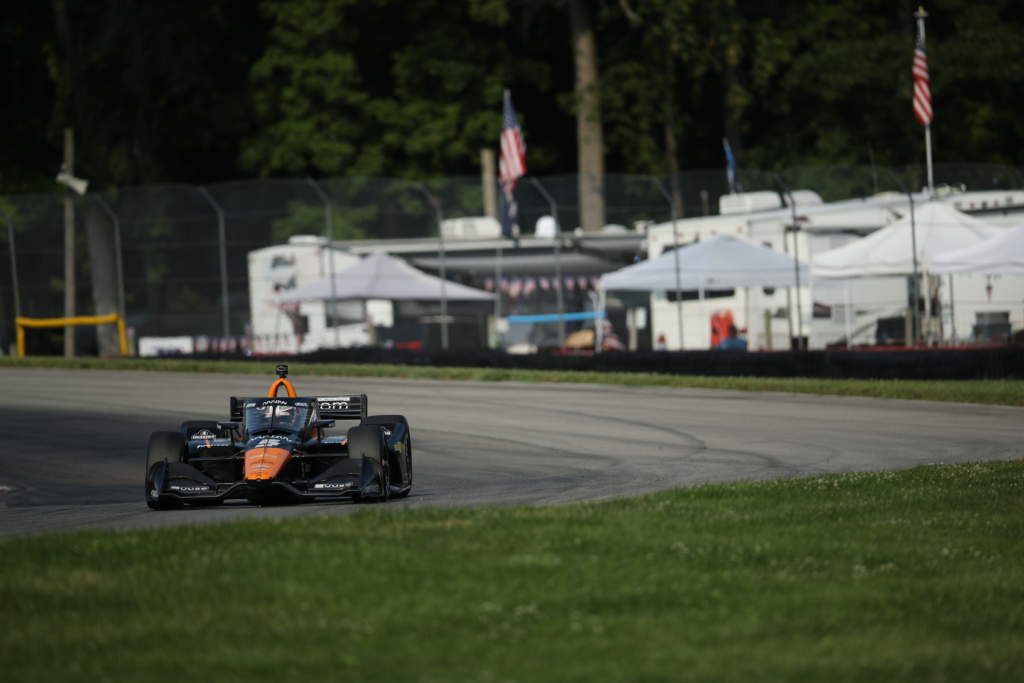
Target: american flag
(512, 165)
(922, 91)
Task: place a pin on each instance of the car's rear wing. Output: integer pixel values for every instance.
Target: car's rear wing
(350, 407)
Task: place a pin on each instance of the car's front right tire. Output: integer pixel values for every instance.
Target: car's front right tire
(163, 449)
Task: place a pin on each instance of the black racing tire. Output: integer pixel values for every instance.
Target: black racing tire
(366, 441)
(408, 463)
(390, 420)
(163, 448)
(385, 468)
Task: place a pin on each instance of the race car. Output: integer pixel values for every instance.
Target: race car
(277, 449)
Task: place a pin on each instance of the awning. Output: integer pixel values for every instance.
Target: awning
(938, 228)
(379, 276)
(722, 262)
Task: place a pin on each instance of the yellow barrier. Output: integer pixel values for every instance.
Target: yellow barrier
(113, 318)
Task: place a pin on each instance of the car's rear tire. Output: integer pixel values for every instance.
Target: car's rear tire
(163, 448)
(385, 468)
(406, 490)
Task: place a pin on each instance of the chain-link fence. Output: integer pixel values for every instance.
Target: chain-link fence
(184, 248)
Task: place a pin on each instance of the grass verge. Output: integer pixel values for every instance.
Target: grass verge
(997, 392)
(899, 576)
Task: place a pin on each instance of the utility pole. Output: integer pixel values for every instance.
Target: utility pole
(69, 244)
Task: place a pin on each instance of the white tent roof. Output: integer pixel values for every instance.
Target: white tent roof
(719, 263)
(939, 228)
(380, 276)
(1000, 255)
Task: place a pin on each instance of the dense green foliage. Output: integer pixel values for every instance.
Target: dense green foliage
(895, 576)
(163, 91)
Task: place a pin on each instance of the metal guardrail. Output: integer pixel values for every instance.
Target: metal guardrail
(44, 323)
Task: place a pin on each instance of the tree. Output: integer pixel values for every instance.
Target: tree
(589, 137)
(153, 91)
(378, 87)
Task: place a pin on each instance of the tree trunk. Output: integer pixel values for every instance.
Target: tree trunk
(103, 266)
(589, 141)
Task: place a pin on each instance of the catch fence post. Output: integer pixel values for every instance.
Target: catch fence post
(224, 303)
(439, 217)
(675, 254)
(558, 259)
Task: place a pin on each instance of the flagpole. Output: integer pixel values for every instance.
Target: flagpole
(511, 167)
(921, 15)
(497, 294)
(928, 153)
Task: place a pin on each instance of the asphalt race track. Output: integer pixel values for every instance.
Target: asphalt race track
(74, 441)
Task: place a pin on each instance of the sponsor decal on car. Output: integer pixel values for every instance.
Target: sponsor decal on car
(268, 442)
(214, 443)
(333, 485)
(188, 489)
(203, 434)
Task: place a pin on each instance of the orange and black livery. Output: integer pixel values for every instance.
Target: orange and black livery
(280, 449)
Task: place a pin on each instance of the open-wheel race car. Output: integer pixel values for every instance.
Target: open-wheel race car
(279, 449)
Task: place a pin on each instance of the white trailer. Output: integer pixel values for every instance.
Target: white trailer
(306, 326)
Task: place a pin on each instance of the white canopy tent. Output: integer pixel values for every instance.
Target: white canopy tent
(938, 226)
(1000, 255)
(381, 276)
(722, 262)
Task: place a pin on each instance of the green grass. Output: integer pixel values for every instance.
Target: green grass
(1001, 392)
(899, 576)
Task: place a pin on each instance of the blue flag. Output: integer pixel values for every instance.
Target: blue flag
(730, 168)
